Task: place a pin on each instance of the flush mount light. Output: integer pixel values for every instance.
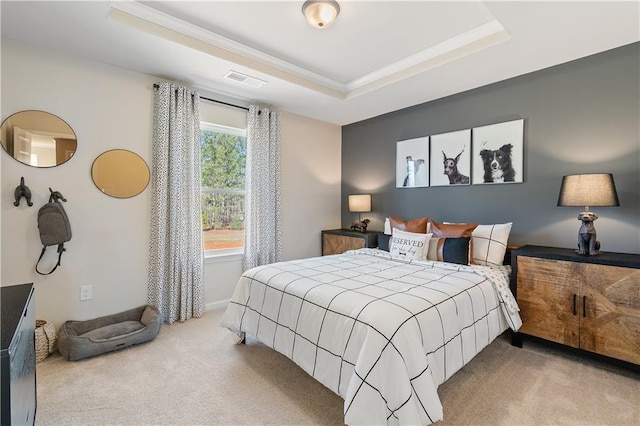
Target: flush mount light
(320, 14)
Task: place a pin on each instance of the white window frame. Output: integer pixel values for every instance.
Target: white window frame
(221, 255)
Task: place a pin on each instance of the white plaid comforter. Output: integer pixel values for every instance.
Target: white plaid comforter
(381, 333)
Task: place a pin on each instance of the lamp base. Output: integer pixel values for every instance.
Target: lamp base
(589, 253)
(587, 237)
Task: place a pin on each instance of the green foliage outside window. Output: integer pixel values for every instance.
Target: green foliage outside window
(223, 160)
(223, 178)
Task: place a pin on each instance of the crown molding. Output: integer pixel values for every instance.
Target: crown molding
(430, 55)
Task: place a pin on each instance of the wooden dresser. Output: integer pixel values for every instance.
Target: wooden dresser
(337, 241)
(18, 356)
(586, 302)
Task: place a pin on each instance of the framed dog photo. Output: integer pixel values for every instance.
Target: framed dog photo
(497, 155)
(450, 158)
(412, 163)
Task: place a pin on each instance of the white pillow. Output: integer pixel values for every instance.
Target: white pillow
(387, 226)
(409, 245)
(490, 243)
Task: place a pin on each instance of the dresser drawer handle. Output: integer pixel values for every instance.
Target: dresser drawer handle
(584, 306)
(575, 308)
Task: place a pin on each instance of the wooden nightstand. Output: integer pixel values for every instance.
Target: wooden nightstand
(586, 302)
(336, 241)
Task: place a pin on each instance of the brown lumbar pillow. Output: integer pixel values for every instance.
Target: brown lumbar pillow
(418, 225)
(452, 230)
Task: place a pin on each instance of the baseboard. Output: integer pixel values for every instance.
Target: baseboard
(216, 305)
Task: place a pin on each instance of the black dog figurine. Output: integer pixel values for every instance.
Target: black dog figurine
(360, 226)
(587, 242)
(22, 190)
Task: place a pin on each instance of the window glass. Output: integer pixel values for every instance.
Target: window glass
(223, 155)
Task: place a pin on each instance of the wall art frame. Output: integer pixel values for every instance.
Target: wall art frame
(412, 163)
(498, 153)
(450, 158)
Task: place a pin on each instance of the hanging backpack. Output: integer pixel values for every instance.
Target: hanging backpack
(54, 227)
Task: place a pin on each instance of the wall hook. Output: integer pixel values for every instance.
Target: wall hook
(22, 190)
(55, 196)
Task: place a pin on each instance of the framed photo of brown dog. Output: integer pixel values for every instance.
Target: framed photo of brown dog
(497, 155)
(450, 158)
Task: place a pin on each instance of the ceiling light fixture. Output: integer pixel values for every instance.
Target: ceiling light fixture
(320, 14)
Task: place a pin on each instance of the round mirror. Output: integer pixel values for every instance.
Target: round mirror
(38, 138)
(120, 173)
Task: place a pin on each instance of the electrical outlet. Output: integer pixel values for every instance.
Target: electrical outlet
(86, 292)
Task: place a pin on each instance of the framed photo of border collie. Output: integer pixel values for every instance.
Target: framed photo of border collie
(450, 158)
(498, 153)
(412, 163)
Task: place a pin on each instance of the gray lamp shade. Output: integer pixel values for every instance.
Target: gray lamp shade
(589, 190)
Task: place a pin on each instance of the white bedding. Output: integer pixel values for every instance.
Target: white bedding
(381, 333)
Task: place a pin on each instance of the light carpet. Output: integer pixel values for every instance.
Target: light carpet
(193, 374)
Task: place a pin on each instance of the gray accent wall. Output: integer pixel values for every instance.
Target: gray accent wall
(579, 117)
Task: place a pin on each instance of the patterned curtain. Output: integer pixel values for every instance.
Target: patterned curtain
(262, 238)
(175, 285)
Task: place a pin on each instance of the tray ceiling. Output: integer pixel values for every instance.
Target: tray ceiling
(378, 57)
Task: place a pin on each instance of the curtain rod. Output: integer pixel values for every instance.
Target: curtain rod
(155, 86)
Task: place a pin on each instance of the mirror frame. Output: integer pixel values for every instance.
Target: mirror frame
(4, 129)
(140, 191)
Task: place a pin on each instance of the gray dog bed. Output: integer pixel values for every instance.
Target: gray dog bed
(82, 339)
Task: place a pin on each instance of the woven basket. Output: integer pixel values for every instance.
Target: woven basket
(45, 339)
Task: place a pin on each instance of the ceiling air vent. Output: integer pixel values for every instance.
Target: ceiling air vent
(245, 79)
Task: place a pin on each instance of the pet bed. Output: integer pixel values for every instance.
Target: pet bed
(83, 339)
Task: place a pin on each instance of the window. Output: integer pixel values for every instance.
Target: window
(223, 155)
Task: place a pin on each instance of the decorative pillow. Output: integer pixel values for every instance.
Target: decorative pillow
(490, 243)
(452, 230)
(418, 225)
(383, 242)
(452, 250)
(409, 245)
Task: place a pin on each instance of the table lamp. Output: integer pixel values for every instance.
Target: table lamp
(588, 190)
(360, 204)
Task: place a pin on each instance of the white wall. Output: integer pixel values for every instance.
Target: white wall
(311, 164)
(110, 107)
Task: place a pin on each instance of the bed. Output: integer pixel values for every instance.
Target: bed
(381, 332)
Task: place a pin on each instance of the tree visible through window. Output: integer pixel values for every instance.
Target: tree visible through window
(223, 154)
